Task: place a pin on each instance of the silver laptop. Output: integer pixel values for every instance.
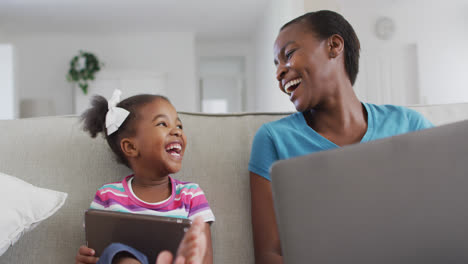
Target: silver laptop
(398, 200)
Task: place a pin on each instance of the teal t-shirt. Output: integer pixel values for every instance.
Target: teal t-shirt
(291, 136)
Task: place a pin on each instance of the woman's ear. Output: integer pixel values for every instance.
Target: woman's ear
(129, 147)
(335, 46)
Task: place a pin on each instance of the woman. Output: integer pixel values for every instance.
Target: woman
(317, 61)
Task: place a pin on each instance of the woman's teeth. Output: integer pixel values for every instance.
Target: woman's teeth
(291, 85)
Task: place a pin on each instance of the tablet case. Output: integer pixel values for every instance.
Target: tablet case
(147, 233)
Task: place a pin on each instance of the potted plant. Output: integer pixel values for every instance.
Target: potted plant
(83, 68)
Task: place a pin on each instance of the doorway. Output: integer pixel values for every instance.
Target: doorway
(222, 84)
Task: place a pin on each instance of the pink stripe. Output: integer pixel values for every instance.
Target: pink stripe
(200, 199)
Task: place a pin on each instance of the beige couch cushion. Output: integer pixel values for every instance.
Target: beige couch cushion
(444, 113)
(54, 153)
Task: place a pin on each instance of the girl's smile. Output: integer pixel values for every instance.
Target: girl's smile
(160, 140)
(174, 149)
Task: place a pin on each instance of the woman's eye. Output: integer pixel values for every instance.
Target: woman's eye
(289, 54)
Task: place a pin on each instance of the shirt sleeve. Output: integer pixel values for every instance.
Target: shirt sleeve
(263, 153)
(418, 121)
(99, 202)
(199, 207)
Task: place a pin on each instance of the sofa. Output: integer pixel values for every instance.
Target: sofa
(54, 153)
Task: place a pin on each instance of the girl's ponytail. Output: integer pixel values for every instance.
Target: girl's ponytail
(94, 119)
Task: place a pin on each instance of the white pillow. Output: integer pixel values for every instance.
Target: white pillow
(23, 206)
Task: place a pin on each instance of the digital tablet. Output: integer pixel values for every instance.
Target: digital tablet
(147, 233)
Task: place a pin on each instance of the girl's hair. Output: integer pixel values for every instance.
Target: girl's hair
(94, 120)
(328, 23)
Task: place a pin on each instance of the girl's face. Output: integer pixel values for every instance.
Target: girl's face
(160, 138)
(303, 67)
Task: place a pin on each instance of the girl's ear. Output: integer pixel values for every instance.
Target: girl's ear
(129, 148)
(335, 45)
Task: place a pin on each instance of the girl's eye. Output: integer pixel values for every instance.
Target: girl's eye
(161, 124)
(180, 127)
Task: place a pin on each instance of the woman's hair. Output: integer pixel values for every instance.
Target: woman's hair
(94, 120)
(328, 23)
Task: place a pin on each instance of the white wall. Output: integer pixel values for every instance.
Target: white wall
(269, 97)
(226, 48)
(43, 61)
(316, 5)
(7, 98)
(437, 29)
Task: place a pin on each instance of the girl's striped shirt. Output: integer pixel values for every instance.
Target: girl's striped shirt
(187, 200)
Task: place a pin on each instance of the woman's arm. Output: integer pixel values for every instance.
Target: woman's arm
(265, 231)
(208, 259)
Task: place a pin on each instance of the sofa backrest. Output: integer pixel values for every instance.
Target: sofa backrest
(54, 153)
(442, 114)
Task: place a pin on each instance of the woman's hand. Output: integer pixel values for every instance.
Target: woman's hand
(86, 256)
(195, 247)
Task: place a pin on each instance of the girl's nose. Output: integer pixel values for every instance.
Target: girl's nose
(176, 132)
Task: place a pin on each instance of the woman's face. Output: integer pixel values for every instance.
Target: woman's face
(303, 67)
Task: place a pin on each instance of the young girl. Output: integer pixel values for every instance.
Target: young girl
(146, 134)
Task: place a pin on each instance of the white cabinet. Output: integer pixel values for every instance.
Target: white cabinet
(7, 92)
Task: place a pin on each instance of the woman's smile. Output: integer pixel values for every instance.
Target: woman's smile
(290, 86)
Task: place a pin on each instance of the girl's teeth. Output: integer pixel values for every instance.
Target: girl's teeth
(179, 147)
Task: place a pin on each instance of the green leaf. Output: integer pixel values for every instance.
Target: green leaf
(84, 87)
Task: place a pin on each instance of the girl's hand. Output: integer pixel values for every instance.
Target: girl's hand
(86, 256)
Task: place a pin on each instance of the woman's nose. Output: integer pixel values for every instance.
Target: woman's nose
(280, 71)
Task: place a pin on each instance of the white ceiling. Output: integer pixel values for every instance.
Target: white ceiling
(208, 18)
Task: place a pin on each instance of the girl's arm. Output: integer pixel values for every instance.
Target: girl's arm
(85, 255)
(265, 231)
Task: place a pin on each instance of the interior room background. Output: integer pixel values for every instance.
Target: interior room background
(216, 56)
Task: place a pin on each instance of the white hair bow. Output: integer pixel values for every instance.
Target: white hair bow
(116, 115)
